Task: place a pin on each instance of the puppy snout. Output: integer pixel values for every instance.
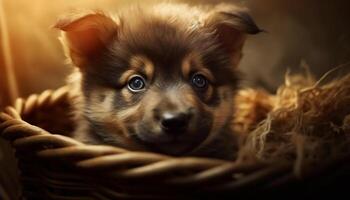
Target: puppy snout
(173, 116)
(175, 122)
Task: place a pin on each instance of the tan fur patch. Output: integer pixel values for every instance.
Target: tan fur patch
(125, 76)
(207, 73)
(127, 113)
(209, 93)
(190, 97)
(101, 109)
(142, 63)
(127, 95)
(138, 64)
(193, 63)
(186, 67)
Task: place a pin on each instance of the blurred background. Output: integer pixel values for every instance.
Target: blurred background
(315, 32)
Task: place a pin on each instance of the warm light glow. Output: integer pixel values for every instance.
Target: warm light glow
(8, 62)
(314, 32)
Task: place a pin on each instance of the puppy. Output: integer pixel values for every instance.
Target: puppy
(159, 79)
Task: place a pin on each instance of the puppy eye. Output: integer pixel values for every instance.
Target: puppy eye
(199, 81)
(136, 83)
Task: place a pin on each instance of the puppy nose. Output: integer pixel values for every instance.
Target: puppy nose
(174, 122)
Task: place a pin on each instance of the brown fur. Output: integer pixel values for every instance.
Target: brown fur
(168, 45)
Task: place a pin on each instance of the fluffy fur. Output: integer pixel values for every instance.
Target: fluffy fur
(167, 45)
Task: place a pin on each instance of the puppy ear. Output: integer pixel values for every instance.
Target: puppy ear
(86, 35)
(231, 25)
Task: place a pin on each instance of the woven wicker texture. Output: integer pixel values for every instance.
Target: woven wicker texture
(54, 166)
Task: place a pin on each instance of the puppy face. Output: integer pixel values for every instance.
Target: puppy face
(165, 81)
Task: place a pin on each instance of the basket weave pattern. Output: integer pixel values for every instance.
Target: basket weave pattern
(55, 166)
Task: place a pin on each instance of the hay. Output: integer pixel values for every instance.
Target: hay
(304, 123)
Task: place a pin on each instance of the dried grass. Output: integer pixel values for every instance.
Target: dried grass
(305, 122)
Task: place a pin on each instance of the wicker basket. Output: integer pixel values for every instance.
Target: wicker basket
(54, 166)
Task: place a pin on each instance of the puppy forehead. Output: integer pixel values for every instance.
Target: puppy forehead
(188, 64)
(159, 39)
(164, 42)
